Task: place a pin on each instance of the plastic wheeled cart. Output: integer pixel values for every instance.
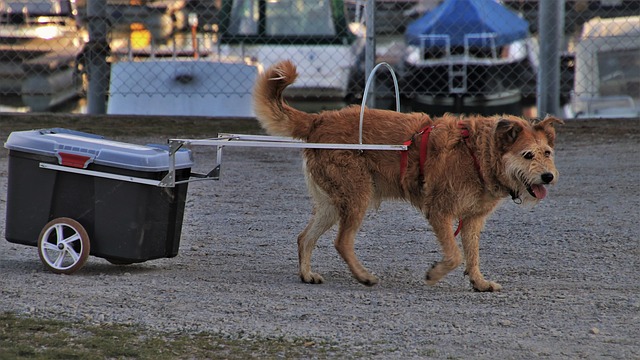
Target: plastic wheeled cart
(74, 194)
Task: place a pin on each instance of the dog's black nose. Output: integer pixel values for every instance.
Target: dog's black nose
(547, 177)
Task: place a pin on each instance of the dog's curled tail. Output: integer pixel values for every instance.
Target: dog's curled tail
(275, 116)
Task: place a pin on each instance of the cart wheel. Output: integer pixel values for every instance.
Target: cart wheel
(63, 246)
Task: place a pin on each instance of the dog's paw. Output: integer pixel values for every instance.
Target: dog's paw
(485, 286)
(369, 280)
(312, 278)
(434, 274)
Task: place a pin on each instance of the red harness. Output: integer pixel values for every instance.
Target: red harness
(424, 148)
(424, 142)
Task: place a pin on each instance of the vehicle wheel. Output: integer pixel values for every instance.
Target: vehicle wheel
(63, 246)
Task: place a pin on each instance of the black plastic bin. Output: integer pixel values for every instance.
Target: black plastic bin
(66, 185)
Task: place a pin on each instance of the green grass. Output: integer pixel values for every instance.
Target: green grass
(30, 338)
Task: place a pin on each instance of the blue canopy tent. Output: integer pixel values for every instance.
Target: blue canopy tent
(457, 18)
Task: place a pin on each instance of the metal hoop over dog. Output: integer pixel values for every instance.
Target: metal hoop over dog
(366, 92)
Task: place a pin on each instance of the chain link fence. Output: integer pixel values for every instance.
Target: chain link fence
(199, 57)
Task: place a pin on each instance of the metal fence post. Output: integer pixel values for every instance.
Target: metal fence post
(96, 53)
(551, 32)
(370, 48)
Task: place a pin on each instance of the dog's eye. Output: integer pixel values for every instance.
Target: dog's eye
(547, 153)
(528, 155)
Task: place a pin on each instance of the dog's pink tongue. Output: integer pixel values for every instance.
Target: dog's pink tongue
(539, 190)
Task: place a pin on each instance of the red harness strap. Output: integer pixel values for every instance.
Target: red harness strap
(459, 228)
(404, 154)
(424, 148)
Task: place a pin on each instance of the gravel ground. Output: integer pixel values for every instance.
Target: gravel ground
(569, 266)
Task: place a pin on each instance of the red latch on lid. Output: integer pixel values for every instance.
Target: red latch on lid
(74, 160)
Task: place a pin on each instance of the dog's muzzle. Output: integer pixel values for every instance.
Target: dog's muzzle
(538, 191)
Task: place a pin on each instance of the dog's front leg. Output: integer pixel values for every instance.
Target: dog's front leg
(451, 253)
(471, 228)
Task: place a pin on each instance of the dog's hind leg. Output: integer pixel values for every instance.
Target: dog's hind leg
(342, 188)
(347, 230)
(355, 190)
(451, 253)
(323, 219)
(471, 243)
(324, 216)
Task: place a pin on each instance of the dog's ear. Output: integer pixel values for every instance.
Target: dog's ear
(547, 126)
(507, 132)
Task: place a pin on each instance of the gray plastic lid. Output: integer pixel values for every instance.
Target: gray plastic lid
(70, 145)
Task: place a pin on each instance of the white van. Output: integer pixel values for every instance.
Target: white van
(607, 72)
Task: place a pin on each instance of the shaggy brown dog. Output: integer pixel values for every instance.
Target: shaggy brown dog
(468, 166)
